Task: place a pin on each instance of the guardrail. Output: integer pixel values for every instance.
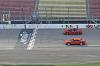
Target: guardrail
(40, 26)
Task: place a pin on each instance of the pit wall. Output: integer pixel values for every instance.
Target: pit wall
(41, 26)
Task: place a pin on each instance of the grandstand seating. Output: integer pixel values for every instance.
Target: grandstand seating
(50, 11)
(17, 9)
(62, 10)
(95, 8)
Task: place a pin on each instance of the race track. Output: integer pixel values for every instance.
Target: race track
(49, 48)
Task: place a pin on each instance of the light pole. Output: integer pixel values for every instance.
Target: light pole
(51, 15)
(23, 15)
(68, 15)
(46, 15)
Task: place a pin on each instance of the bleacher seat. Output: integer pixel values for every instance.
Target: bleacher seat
(61, 9)
(18, 9)
(95, 8)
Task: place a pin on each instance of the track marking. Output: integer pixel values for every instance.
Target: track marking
(32, 41)
(7, 48)
(31, 44)
(93, 45)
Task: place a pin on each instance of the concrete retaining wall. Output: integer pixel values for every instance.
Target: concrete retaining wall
(40, 26)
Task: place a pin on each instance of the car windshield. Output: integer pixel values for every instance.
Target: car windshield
(71, 39)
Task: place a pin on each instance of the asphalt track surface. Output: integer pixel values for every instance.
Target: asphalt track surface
(8, 38)
(49, 48)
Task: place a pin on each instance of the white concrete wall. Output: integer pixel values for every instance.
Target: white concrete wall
(40, 26)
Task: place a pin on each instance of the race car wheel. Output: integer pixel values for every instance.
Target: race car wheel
(64, 33)
(68, 44)
(81, 44)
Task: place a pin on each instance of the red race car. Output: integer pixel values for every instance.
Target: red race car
(73, 31)
(75, 41)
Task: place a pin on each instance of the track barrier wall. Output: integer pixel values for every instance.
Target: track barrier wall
(41, 26)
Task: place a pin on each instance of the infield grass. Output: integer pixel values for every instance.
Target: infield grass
(89, 64)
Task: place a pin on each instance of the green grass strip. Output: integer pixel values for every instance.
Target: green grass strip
(89, 64)
(27, 65)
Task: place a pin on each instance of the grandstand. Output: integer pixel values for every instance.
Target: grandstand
(49, 11)
(95, 10)
(62, 11)
(16, 10)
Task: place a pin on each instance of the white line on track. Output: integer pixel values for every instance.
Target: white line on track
(93, 45)
(6, 48)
